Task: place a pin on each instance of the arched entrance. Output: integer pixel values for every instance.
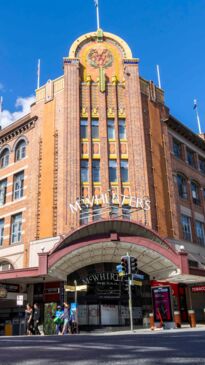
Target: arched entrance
(89, 256)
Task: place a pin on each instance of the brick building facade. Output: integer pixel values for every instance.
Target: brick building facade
(98, 167)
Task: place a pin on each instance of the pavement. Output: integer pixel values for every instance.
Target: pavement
(141, 347)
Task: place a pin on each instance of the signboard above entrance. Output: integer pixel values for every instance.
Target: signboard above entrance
(141, 203)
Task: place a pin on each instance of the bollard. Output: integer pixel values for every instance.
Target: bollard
(151, 321)
(192, 318)
(177, 319)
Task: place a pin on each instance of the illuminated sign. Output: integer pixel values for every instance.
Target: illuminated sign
(198, 289)
(132, 201)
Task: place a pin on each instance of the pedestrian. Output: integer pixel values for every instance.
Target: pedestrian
(36, 319)
(28, 320)
(58, 320)
(66, 318)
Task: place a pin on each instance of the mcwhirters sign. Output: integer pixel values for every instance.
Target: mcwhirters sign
(107, 199)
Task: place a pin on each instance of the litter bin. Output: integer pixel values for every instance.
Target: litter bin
(8, 328)
(192, 318)
(177, 319)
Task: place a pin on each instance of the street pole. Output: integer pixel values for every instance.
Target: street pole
(76, 301)
(130, 292)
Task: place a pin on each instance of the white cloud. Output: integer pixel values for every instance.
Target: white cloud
(24, 104)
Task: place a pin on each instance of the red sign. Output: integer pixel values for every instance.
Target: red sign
(198, 289)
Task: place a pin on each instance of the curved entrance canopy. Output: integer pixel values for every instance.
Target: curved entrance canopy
(107, 241)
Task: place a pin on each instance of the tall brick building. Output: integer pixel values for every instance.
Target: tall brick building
(97, 169)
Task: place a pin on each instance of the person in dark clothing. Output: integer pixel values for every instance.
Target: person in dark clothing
(36, 319)
(28, 320)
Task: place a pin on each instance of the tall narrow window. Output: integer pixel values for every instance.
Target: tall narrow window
(195, 193)
(114, 211)
(111, 129)
(83, 128)
(20, 151)
(182, 186)
(202, 165)
(199, 226)
(4, 158)
(95, 128)
(18, 185)
(84, 215)
(16, 228)
(96, 213)
(190, 157)
(96, 170)
(124, 170)
(122, 129)
(186, 227)
(1, 231)
(3, 188)
(113, 170)
(84, 170)
(177, 148)
(126, 212)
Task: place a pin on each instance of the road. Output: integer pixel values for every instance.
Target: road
(141, 348)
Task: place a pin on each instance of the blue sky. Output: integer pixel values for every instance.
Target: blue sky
(170, 33)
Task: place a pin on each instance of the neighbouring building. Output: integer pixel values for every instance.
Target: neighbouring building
(97, 169)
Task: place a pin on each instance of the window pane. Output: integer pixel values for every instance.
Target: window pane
(126, 212)
(182, 186)
(16, 228)
(199, 232)
(124, 170)
(4, 158)
(3, 189)
(186, 227)
(20, 152)
(1, 231)
(114, 211)
(83, 128)
(84, 170)
(95, 129)
(190, 157)
(113, 170)
(84, 215)
(18, 185)
(96, 170)
(177, 149)
(96, 213)
(195, 193)
(111, 129)
(202, 165)
(122, 130)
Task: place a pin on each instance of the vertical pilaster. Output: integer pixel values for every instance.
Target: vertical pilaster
(71, 140)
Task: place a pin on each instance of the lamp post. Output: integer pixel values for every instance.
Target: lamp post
(76, 303)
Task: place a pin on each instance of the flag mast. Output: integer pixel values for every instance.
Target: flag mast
(158, 77)
(197, 116)
(97, 13)
(38, 73)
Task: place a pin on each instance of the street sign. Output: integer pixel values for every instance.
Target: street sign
(19, 299)
(73, 288)
(136, 282)
(138, 276)
(3, 292)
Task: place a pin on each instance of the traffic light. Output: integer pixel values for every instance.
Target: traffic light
(124, 264)
(133, 264)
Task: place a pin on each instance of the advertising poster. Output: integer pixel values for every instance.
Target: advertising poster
(49, 314)
(161, 298)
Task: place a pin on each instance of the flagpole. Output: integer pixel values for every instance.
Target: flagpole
(158, 77)
(97, 13)
(38, 73)
(197, 116)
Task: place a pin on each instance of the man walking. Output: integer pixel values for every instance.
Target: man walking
(36, 319)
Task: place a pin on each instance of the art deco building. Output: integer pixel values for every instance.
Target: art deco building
(97, 169)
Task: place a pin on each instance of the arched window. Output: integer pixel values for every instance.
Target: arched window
(195, 193)
(182, 186)
(5, 266)
(4, 158)
(20, 151)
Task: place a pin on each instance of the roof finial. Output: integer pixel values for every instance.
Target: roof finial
(97, 13)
